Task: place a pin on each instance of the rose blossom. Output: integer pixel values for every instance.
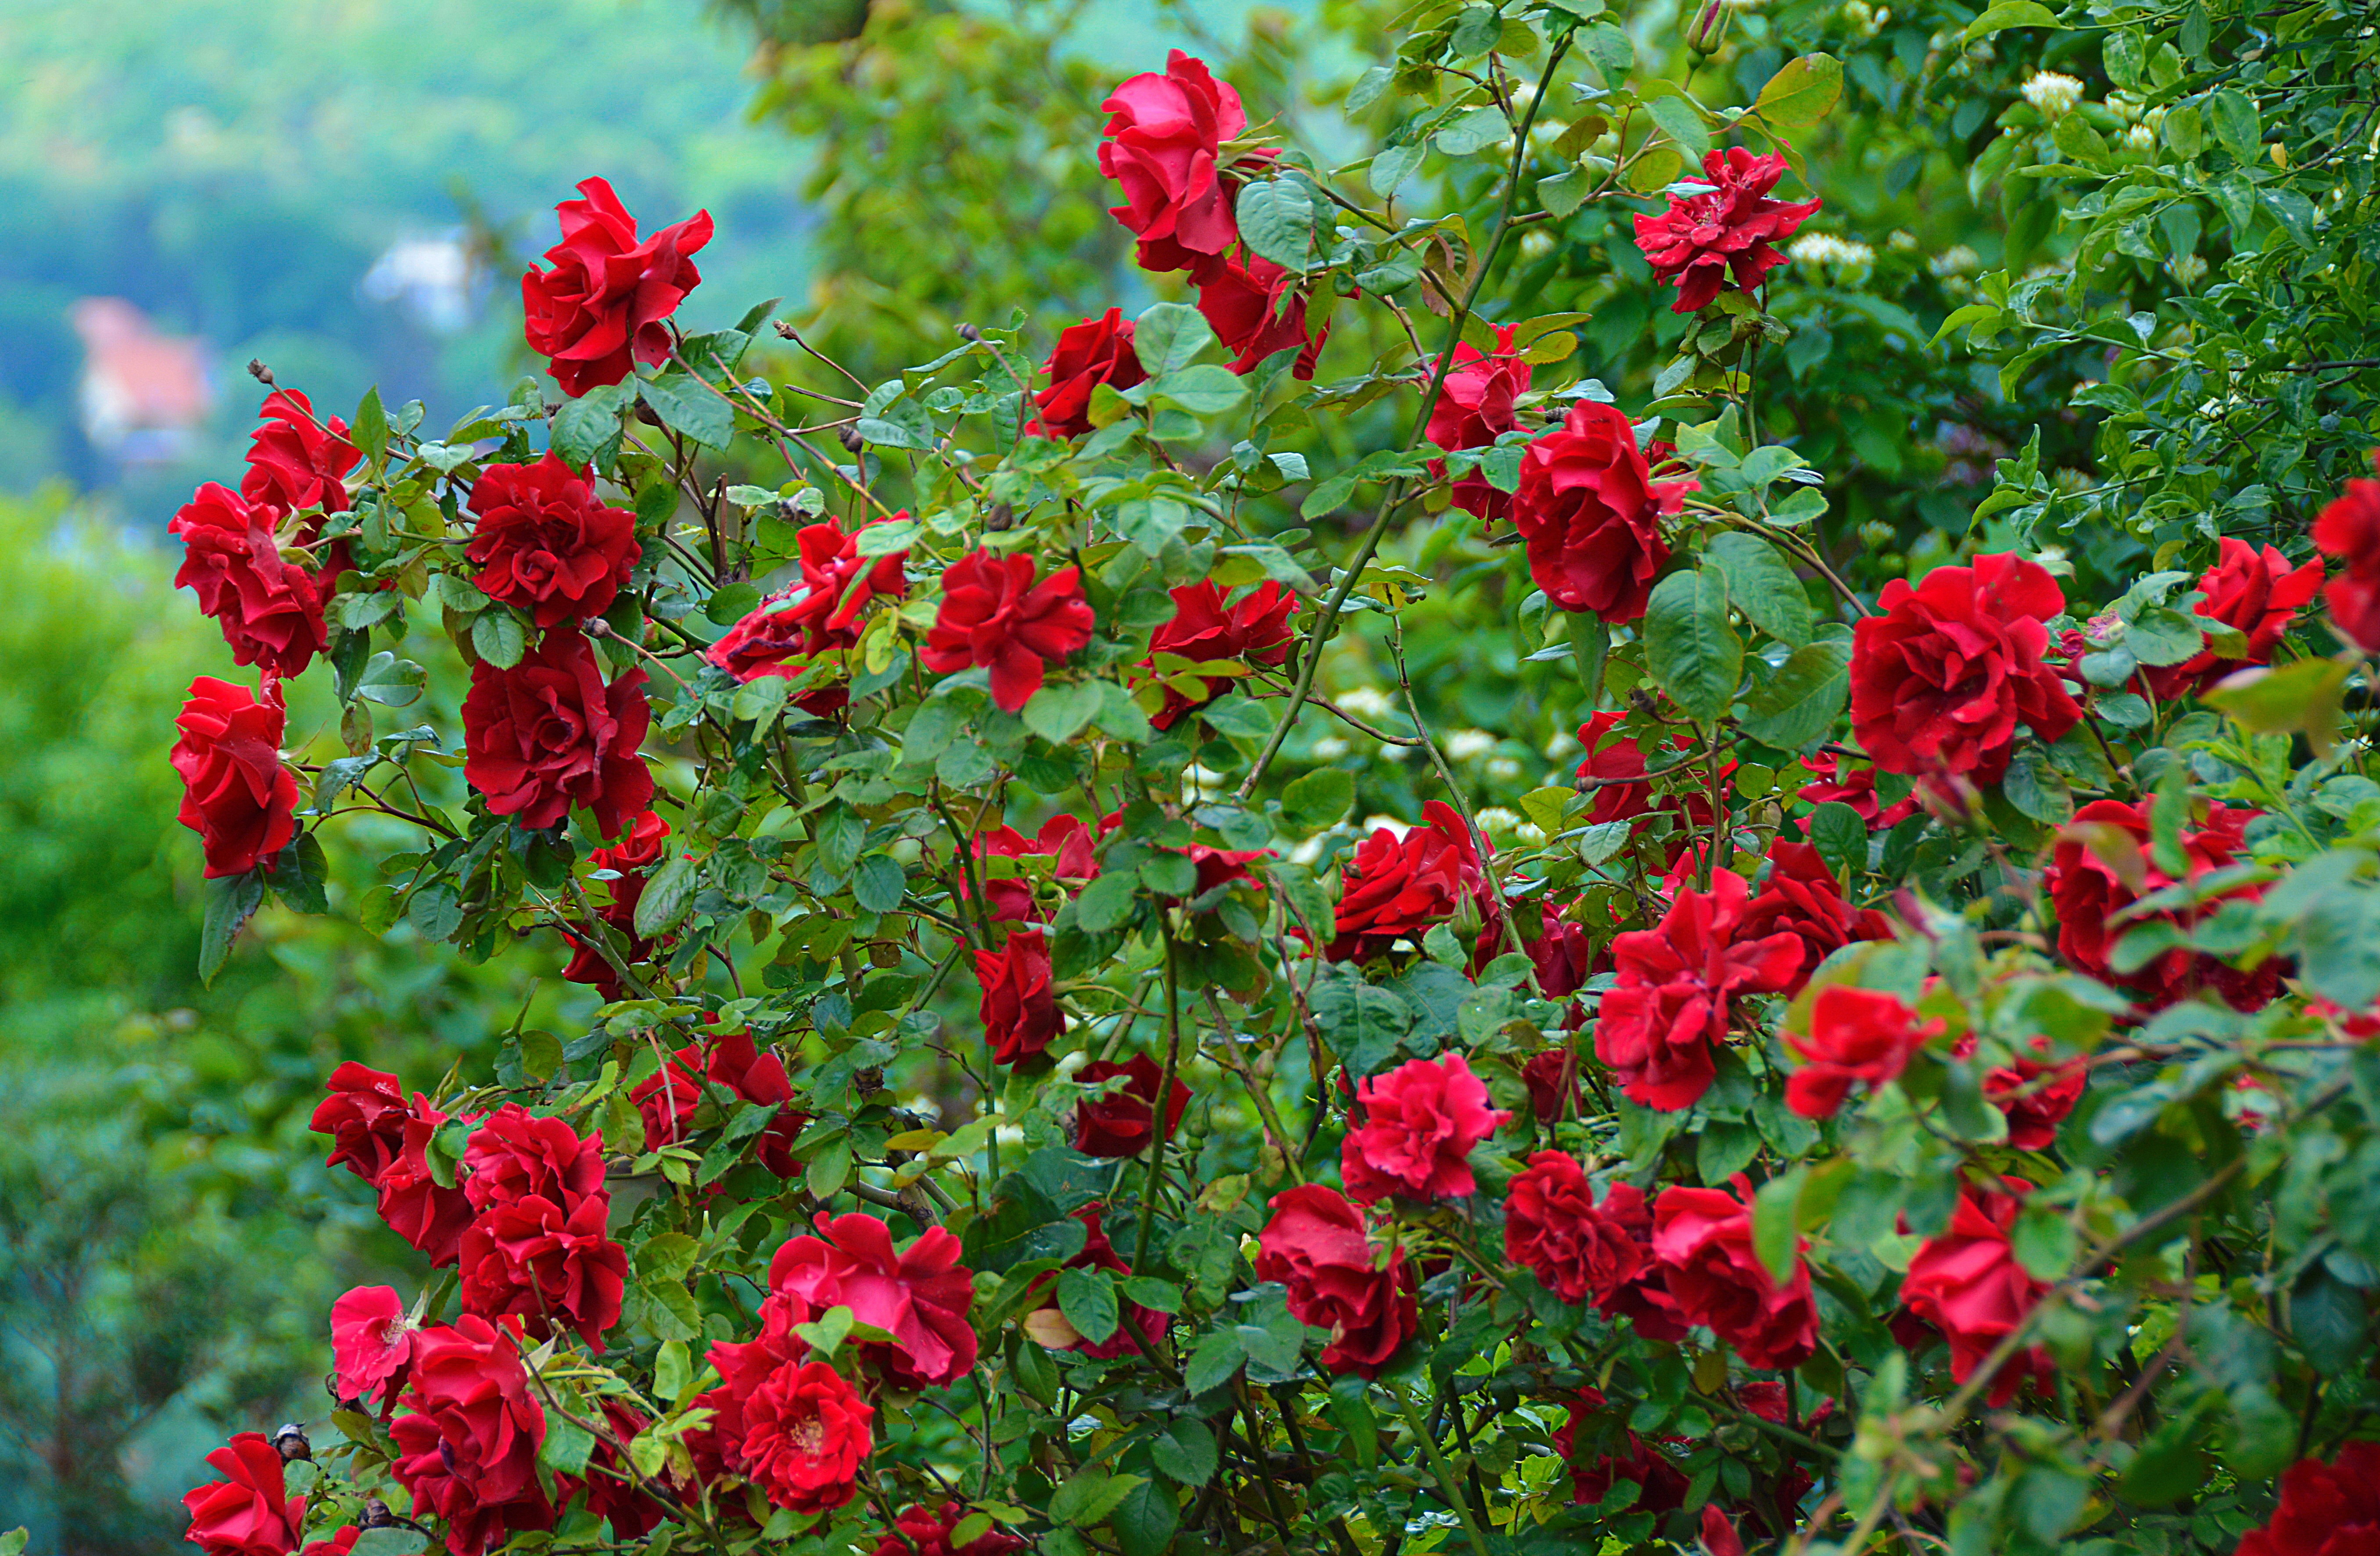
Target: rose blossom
(237, 796)
(1162, 146)
(1420, 1122)
(1943, 676)
(1856, 1035)
(1577, 1249)
(918, 1295)
(1726, 238)
(544, 542)
(385, 1140)
(2256, 594)
(364, 1115)
(2108, 839)
(1968, 1283)
(1589, 510)
(1019, 1013)
(339, 1544)
(815, 618)
(549, 734)
(249, 1511)
(1207, 627)
(1395, 888)
(669, 1100)
(466, 1446)
(270, 610)
(794, 1427)
(1855, 789)
(1661, 1486)
(919, 1532)
(994, 615)
(514, 1154)
(1802, 897)
(297, 461)
(1064, 840)
(2034, 1110)
(1719, 1534)
(1049, 1326)
(1258, 307)
(2326, 1508)
(553, 1265)
(601, 308)
(370, 1338)
(1613, 773)
(2350, 529)
(629, 860)
(1475, 407)
(1703, 1238)
(1123, 1123)
(1098, 350)
(1315, 1245)
(1676, 988)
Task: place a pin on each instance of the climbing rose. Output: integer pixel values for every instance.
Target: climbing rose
(1863, 1037)
(514, 1154)
(2034, 1109)
(1256, 309)
(2255, 593)
(364, 1115)
(1719, 1534)
(1207, 625)
(1724, 239)
(297, 461)
(993, 614)
(1577, 1249)
(548, 734)
(2105, 862)
(466, 1446)
(1162, 144)
(1421, 1121)
(554, 1266)
(1968, 1283)
(1064, 840)
(1613, 774)
(628, 859)
(919, 1532)
(371, 1339)
(1020, 1014)
(794, 1427)
(1123, 1123)
(2327, 1508)
(601, 308)
(1676, 987)
(1049, 1326)
(1856, 788)
(1395, 888)
(2350, 529)
(1661, 1485)
(1315, 1245)
(237, 796)
(544, 542)
(1802, 897)
(249, 1511)
(816, 617)
(385, 1140)
(268, 609)
(1474, 406)
(1703, 1238)
(1098, 350)
(339, 1544)
(1589, 509)
(919, 1295)
(669, 1100)
(1943, 676)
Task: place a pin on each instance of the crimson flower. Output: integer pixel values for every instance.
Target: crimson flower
(1661, 1486)
(628, 859)
(1316, 1246)
(1703, 1238)
(1726, 236)
(1098, 350)
(514, 1155)
(1256, 309)
(1578, 1249)
(1206, 626)
(1050, 1327)
(544, 542)
(1802, 897)
(2348, 529)
(1123, 1123)
(669, 1100)
(919, 1294)
(1162, 146)
(601, 307)
(548, 734)
(2105, 863)
(371, 1339)
(1421, 1121)
(922, 1532)
(269, 610)
(1613, 772)
(817, 615)
(467, 1445)
(1676, 988)
(1395, 888)
(994, 615)
(1589, 510)
(1857, 1036)
(2256, 594)
(1064, 840)
(1856, 788)
(1475, 406)
(2032, 1106)
(556, 1266)
(1968, 1283)
(2326, 1509)
(249, 1511)
(235, 794)
(1020, 1013)
(297, 461)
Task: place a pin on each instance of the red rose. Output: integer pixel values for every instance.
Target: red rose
(545, 543)
(1562, 953)
(249, 1511)
(1206, 628)
(1098, 350)
(1064, 840)
(668, 1101)
(1661, 1486)
(1395, 888)
(920, 1533)
(1475, 406)
(365, 1117)
(2033, 1105)
(1020, 1014)
(629, 860)
(1857, 789)
(1613, 772)
(2350, 529)
(1420, 1122)
(1552, 1079)
(514, 1155)
(993, 614)
(616, 1491)
(371, 1339)
(339, 1544)
(816, 617)
(599, 309)
(1256, 309)
(555, 1267)
(1124, 1122)
(295, 461)
(1163, 143)
(1316, 1245)
(2255, 593)
(268, 609)
(468, 1447)
(1941, 679)
(1803, 897)
(1967, 1283)
(2326, 1509)
(801, 1435)
(2104, 864)
(1676, 987)
(919, 1295)
(1577, 1249)
(548, 734)
(1724, 239)
(237, 796)
(383, 1140)
(1862, 1035)
(1588, 509)
(1703, 1238)
(1719, 1534)
(1048, 1327)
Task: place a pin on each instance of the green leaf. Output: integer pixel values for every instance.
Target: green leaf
(369, 434)
(1561, 194)
(1276, 220)
(584, 426)
(1216, 1361)
(1088, 1298)
(568, 1445)
(1684, 127)
(1804, 89)
(2043, 1241)
(1473, 130)
(1613, 53)
(1393, 166)
(1057, 713)
(1840, 835)
(232, 900)
(1169, 336)
(827, 1332)
(2236, 125)
(390, 1542)
(1088, 1496)
(1691, 651)
(1107, 902)
(1798, 701)
(759, 701)
(730, 603)
(1318, 800)
(2011, 13)
(690, 407)
(499, 638)
(667, 896)
(1202, 388)
(391, 681)
(1144, 1521)
(877, 883)
(2303, 697)
(1761, 586)
(1776, 1230)
(829, 1170)
(1120, 716)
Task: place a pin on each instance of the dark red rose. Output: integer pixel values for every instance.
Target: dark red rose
(1395, 888)
(1421, 1121)
(1020, 1014)
(1562, 953)
(1968, 1284)
(364, 1115)
(1703, 1238)
(1578, 1251)
(1216, 867)
(1661, 1486)
(2034, 1097)
(237, 796)
(669, 1100)
(599, 309)
(1719, 1534)
(514, 1155)
(1552, 1079)
(466, 1446)
(1256, 309)
(918, 1295)
(1802, 897)
(1162, 146)
(1589, 510)
(1208, 626)
(1098, 350)
(1316, 1245)
(615, 1490)
(2104, 864)
(629, 861)
(2326, 1509)
(1857, 1036)
(1724, 239)
(798, 1431)
(1613, 773)
(2256, 594)
(297, 461)
(339, 1544)
(1676, 988)
(415, 1205)
(921, 1533)
(1064, 840)
(1124, 1122)
(370, 1340)
(1048, 1325)
(1941, 679)
(1856, 788)
(548, 734)
(1475, 406)
(993, 614)
(547, 544)
(269, 610)
(2350, 529)
(811, 622)
(249, 1511)
(556, 1268)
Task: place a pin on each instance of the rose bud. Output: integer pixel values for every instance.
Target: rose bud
(1705, 26)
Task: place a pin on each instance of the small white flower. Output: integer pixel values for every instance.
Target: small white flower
(1561, 746)
(1848, 259)
(1503, 769)
(1531, 834)
(2189, 269)
(1386, 823)
(1364, 702)
(2140, 138)
(1496, 818)
(1957, 259)
(1330, 748)
(2053, 94)
(1464, 744)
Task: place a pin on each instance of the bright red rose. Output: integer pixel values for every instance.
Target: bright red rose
(628, 859)
(516, 1155)
(1395, 888)
(548, 734)
(1967, 1283)
(1420, 1122)
(2350, 529)
(555, 1267)
(1064, 840)
(1020, 1013)
(2034, 1097)
(1941, 679)
(1676, 988)
(371, 1340)
(237, 796)
(1208, 626)
(802, 1435)
(547, 544)
(1802, 897)
(599, 309)
(339, 1544)
(270, 610)
(1316, 1245)
(920, 1533)
(1863, 1037)
(1661, 1486)
(364, 1115)
(249, 1511)
(2329, 1509)
(1256, 309)
(1048, 1324)
(1857, 789)
(1475, 406)
(1578, 1251)
(2256, 593)
(297, 461)
(2105, 863)
(1725, 239)
(1589, 510)
(993, 614)
(669, 1100)
(813, 620)
(414, 1204)
(1124, 1122)
(1098, 350)
(1719, 1534)
(918, 1295)
(1162, 146)
(1613, 772)
(1703, 1238)
(466, 1446)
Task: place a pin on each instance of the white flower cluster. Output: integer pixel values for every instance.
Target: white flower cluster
(1464, 744)
(2054, 94)
(1848, 258)
(1957, 259)
(1364, 702)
